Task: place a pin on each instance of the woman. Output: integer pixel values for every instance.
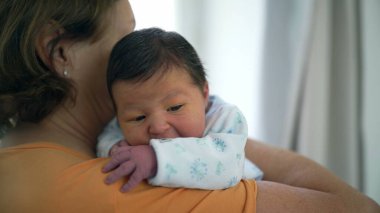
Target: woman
(53, 57)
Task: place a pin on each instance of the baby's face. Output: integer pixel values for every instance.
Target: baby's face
(166, 106)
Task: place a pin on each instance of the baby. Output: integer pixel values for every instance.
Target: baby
(168, 129)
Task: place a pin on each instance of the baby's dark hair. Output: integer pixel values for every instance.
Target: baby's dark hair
(143, 53)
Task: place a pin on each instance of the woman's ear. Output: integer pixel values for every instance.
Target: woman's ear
(206, 92)
(55, 59)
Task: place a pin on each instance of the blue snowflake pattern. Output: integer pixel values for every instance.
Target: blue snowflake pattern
(238, 156)
(198, 170)
(170, 170)
(219, 168)
(219, 144)
(239, 159)
(239, 118)
(179, 148)
(200, 141)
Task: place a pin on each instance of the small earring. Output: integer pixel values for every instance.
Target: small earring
(65, 73)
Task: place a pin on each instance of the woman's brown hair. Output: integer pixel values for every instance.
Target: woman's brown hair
(29, 90)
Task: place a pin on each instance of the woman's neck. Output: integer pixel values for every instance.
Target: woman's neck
(27, 133)
(75, 127)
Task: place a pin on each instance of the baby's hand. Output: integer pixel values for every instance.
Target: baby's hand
(139, 162)
(115, 147)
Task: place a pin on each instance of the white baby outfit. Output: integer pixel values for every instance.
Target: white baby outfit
(215, 161)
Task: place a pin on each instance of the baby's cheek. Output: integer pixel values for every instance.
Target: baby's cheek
(199, 131)
(134, 136)
(193, 128)
(135, 139)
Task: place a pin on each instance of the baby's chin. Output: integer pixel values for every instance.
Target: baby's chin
(193, 135)
(138, 141)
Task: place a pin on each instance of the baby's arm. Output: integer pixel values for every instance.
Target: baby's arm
(213, 162)
(223, 117)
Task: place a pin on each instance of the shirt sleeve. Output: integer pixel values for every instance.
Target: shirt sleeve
(109, 137)
(215, 161)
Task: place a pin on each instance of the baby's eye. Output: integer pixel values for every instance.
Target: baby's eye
(175, 108)
(138, 118)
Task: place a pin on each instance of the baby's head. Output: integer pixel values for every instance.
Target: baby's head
(158, 85)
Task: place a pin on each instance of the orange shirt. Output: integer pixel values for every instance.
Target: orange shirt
(45, 177)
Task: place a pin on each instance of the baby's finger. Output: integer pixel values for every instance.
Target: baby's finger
(116, 160)
(122, 149)
(133, 181)
(123, 170)
(113, 150)
(123, 143)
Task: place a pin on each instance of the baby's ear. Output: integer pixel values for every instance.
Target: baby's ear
(54, 59)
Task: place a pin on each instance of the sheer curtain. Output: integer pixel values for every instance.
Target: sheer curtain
(324, 120)
(328, 97)
(370, 12)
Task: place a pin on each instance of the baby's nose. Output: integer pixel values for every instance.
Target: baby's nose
(158, 127)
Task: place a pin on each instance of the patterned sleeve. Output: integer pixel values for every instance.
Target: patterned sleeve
(215, 161)
(204, 163)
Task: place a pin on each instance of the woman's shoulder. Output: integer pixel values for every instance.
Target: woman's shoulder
(45, 177)
(42, 155)
(45, 172)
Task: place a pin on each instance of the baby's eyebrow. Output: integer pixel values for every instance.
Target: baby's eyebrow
(127, 111)
(172, 94)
